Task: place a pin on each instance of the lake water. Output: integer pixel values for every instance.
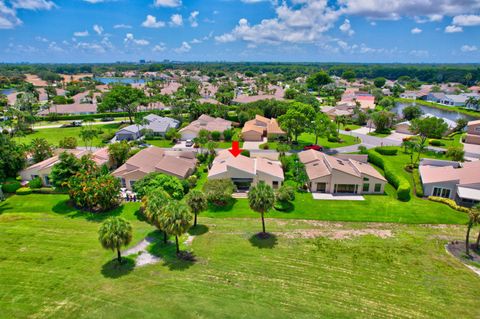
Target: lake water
(451, 115)
(120, 80)
(7, 91)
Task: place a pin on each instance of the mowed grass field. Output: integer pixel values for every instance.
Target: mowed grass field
(52, 266)
(54, 135)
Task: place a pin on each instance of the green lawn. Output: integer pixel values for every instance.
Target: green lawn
(454, 141)
(308, 139)
(160, 143)
(54, 135)
(373, 133)
(52, 266)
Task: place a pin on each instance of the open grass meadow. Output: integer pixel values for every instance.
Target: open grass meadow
(52, 266)
(54, 135)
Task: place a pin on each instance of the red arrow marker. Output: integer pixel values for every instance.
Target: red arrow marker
(235, 149)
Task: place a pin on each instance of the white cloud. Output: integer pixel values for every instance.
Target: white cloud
(195, 41)
(416, 31)
(98, 29)
(468, 48)
(453, 29)
(395, 9)
(159, 48)
(346, 27)
(53, 46)
(81, 33)
(466, 20)
(130, 39)
(33, 4)
(297, 24)
(167, 3)
(193, 19)
(122, 26)
(91, 47)
(419, 53)
(185, 47)
(428, 18)
(176, 20)
(98, 1)
(8, 17)
(41, 39)
(151, 22)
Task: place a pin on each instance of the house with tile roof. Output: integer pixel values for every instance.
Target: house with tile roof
(180, 164)
(258, 128)
(345, 175)
(204, 122)
(457, 181)
(473, 132)
(245, 171)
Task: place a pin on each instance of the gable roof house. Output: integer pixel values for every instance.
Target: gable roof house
(457, 181)
(473, 132)
(204, 122)
(155, 159)
(245, 171)
(44, 168)
(256, 129)
(348, 175)
(157, 125)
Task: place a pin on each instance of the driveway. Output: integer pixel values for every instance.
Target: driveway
(253, 145)
(398, 136)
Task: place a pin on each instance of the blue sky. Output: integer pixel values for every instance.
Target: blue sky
(240, 30)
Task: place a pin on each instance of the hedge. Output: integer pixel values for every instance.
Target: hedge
(449, 202)
(49, 190)
(35, 183)
(436, 143)
(23, 191)
(55, 117)
(399, 182)
(386, 150)
(11, 187)
(418, 183)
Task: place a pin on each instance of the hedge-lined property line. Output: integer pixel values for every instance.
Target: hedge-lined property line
(399, 182)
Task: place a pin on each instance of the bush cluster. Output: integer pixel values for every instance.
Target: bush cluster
(23, 191)
(11, 187)
(35, 183)
(386, 150)
(449, 202)
(436, 143)
(399, 182)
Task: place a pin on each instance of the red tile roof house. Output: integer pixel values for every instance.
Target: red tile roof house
(258, 128)
(473, 132)
(457, 181)
(245, 171)
(204, 122)
(328, 174)
(44, 168)
(155, 159)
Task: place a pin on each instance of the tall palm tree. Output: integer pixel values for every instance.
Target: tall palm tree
(155, 201)
(261, 199)
(178, 219)
(473, 219)
(197, 201)
(114, 233)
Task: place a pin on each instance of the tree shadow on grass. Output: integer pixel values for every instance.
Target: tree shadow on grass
(67, 209)
(228, 207)
(4, 207)
(167, 252)
(264, 240)
(284, 207)
(198, 230)
(113, 269)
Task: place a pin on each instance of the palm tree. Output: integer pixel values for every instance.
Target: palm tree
(197, 201)
(473, 219)
(178, 219)
(261, 199)
(155, 201)
(476, 208)
(211, 146)
(114, 233)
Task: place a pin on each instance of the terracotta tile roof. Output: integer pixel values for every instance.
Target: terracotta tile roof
(469, 173)
(208, 123)
(262, 124)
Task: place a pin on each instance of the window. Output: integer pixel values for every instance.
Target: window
(275, 184)
(378, 188)
(321, 187)
(346, 188)
(132, 183)
(477, 129)
(441, 192)
(124, 184)
(366, 187)
(47, 181)
(366, 179)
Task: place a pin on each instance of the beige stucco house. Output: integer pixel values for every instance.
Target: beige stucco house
(44, 168)
(473, 132)
(329, 174)
(258, 128)
(245, 171)
(204, 122)
(155, 159)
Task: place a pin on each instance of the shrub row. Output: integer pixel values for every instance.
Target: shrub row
(49, 190)
(449, 202)
(436, 143)
(11, 187)
(57, 117)
(418, 183)
(23, 191)
(386, 150)
(399, 182)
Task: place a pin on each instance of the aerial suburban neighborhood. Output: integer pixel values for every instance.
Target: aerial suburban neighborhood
(177, 159)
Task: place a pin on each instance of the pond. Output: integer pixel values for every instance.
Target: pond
(451, 115)
(105, 80)
(7, 91)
